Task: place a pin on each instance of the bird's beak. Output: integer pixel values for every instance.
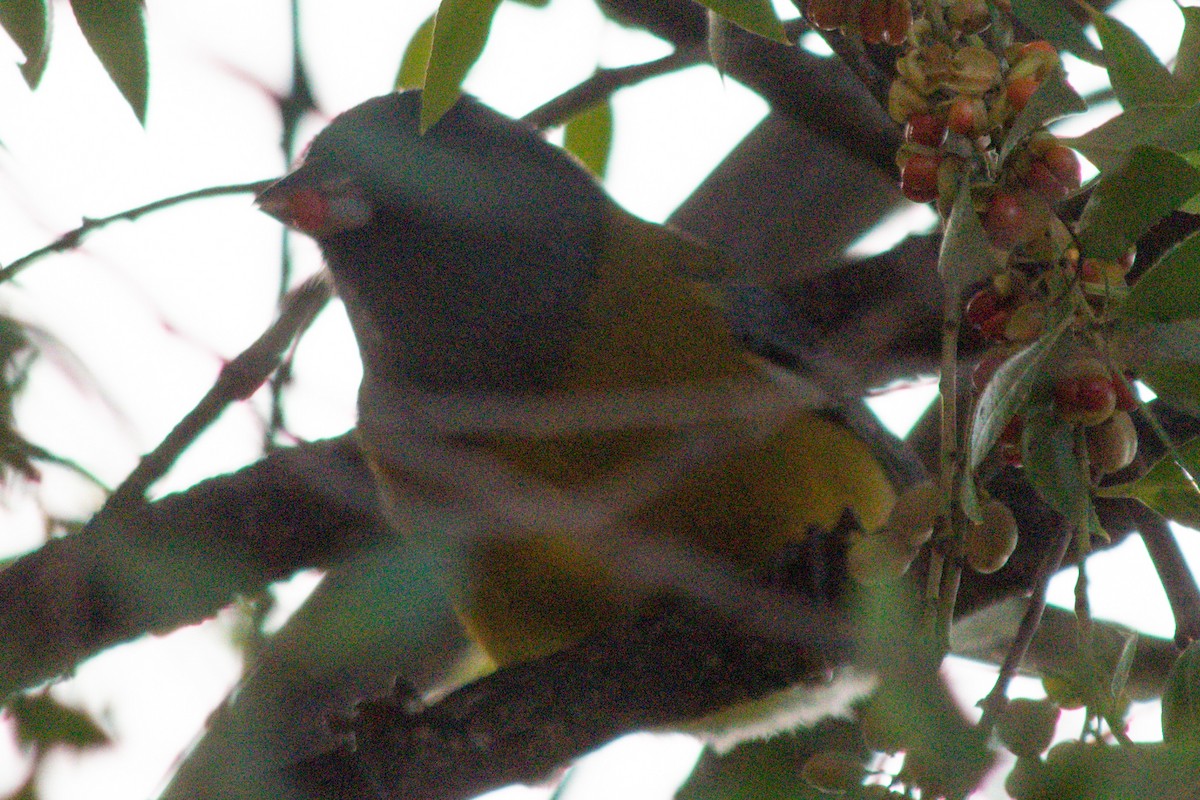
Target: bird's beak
(319, 208)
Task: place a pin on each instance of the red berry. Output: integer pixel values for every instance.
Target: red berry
(1084, 394)
(1006, 216)
(967, 116)
(1055, 174)
(1015, 218)
(982, 305)
(1010, 441)
(1034, 48)
(919, 178)
(825, 15)
(1123, 388)
(925, 129)
(898, 23)
(987, 366)
(1064, 165)
(1126, 261)
(872, 19)
(1020, 90)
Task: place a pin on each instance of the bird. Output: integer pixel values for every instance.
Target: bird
(555, 400)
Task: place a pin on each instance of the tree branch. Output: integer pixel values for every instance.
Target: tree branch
(74, 237)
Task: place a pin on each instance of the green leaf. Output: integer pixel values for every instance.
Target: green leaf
(415, 60)
(42, 720)
(116, 32)
(1050, 452)
(1175, 381)
(1007, 393)
(1187, 58)
(1152, 183)
(1171, 127)
(1181, 700)
(460, 30)
(1051, 20)
(1166, 488)
(1138, 78)
(966, 256)
(756, 16)
(28, 23)
(589, 136)
(1054, 98)
(1170, 289)
(534, 3)
(767, 769)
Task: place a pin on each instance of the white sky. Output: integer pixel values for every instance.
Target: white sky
(152, 308)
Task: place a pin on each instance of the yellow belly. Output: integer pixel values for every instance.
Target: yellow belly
(527, 593)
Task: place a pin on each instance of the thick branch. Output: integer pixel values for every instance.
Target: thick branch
(180, 559)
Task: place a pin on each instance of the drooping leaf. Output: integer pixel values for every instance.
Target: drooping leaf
(1138, 78)
(756, 16)
(965, 257)
(1051, 20)
(1054, 98)
(1187, 58)
(1152, 183)
(116, 32)
(460, 31)
(589, 136)
(1050, 453)
(1007, 392)
(1166, 488)
(1170, 289)
(28, 23)
(415, 60)
(1171, 127)
(45, 721)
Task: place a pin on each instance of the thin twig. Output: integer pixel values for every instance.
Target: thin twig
(604, 82)
(72, 238)
(997, 698)
(239, 379)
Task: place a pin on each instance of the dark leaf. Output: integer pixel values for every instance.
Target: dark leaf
(116, 32)
(44, 721)
(1167, 489)
(1152, 183)
(1054, 98)
(1138, 78)
(756, 16)
(966, 257)
(28, 23)
(1007, 393)
(1181, 700)
(1050, 452)
(1051, 20)
(1169, 290)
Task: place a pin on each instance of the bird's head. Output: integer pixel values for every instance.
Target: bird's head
(463, 254)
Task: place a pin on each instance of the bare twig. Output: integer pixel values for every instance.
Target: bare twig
(604, 82)
(997, 698)
(239, 379)
(72, 238)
